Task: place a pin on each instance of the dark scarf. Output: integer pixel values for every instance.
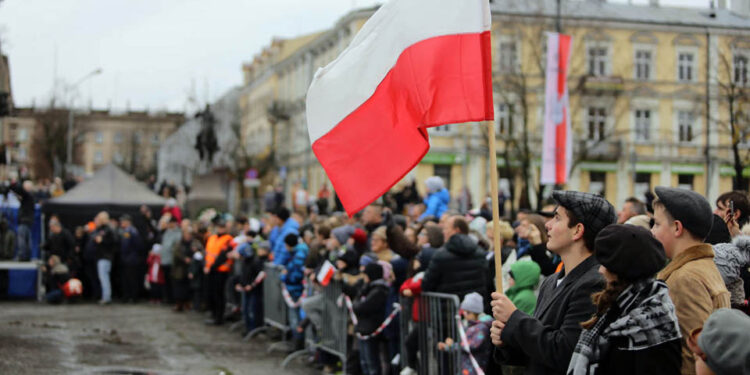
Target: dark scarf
(644, 316)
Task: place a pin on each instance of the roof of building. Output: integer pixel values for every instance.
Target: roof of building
(110, 185)
(622, 12)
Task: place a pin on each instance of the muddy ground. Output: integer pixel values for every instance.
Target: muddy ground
(127, 339)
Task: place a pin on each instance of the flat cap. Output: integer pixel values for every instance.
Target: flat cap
(594, 212)
(724, 340)
(629, 251)
(689, 207)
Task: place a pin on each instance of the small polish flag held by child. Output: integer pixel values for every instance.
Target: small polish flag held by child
(325, 274)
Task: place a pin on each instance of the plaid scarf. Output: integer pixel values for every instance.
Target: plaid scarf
(644, 316)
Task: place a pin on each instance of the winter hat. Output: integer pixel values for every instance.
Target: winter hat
(434, 183)
(473, 302)
(255, 225)
(719, 232)
(171, 202)
(366, 259)
(479, 224)
(593, 211)
(689, 207)
(291, 240)
(374, 271)
(360, 236)
(630, 252)
(156, 248)
(343, 233)
(643, 221)
(283, 213)
(349, 257)
(724, 340)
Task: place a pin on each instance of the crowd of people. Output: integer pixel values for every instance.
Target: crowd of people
(659, 287)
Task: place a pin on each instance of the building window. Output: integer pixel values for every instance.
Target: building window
(99, 137)
(508, 57)
(685, 131)
(504, 119)
(642, 125)
(155, 139)
(118, 138)
(117, 157)
(642, 185)
(597, 183)
(22, 135)
(444, 171)
(597, 121)
(685, 67)
(598, 57)
(740, 69)
(22, 153)
(685, 181)
(138, 137)
(643, 65)
(442, 130)
(98, 157)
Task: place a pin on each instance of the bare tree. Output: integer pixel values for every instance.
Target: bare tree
(49, 145)
(734, 92)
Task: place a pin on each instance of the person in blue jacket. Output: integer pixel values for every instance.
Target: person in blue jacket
(288, 224)
(292, 276)
(437, 198)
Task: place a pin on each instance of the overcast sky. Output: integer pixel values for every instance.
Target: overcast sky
(153, 53)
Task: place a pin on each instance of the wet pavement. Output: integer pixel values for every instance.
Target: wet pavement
(127, 339)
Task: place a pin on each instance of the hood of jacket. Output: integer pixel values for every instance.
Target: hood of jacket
(526, 274)
(461, 245)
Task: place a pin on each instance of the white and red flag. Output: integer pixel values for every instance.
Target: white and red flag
(325, 273)
(415, 64)
(557, 151)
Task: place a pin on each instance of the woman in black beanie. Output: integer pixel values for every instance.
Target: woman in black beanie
(635, 329)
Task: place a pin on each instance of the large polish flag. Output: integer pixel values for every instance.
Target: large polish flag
(557, 146)
(415, 64)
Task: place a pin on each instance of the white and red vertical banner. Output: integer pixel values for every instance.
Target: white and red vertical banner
(557, 152)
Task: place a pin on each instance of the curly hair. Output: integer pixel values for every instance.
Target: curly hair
(604, 300)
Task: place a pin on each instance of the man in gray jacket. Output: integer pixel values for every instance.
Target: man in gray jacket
(171, 237)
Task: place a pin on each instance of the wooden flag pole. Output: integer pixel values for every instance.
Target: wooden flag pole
(495, 208)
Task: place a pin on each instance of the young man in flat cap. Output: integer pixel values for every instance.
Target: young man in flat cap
(544, 343)
(682, 220)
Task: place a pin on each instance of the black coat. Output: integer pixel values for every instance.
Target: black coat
(26, 211)
(544, 343)
(369, 307)
(62, 244)
(107, 248)
(662, 359)
(459, 268)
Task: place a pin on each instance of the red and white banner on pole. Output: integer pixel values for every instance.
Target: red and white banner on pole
(557, 153)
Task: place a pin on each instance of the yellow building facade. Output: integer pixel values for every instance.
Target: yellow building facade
(647, 92)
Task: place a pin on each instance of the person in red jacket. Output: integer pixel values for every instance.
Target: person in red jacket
(155, 275)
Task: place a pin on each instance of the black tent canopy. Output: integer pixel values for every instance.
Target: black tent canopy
(111, 190)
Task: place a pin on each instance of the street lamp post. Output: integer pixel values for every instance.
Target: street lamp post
(69, 154)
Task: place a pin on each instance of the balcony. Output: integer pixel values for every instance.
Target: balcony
(605, 150)
(602, 85)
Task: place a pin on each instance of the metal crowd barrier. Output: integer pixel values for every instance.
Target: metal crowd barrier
(437, 321)
(275, 310)
(407, 325)
(333, 330)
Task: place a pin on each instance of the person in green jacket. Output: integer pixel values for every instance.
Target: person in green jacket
(524, 278)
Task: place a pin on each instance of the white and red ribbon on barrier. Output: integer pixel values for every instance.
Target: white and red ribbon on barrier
(288, 297)
(345, 299)
(379, 330)
(259, 279)
(465, 346)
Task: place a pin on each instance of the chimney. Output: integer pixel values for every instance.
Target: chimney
(741, 7)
